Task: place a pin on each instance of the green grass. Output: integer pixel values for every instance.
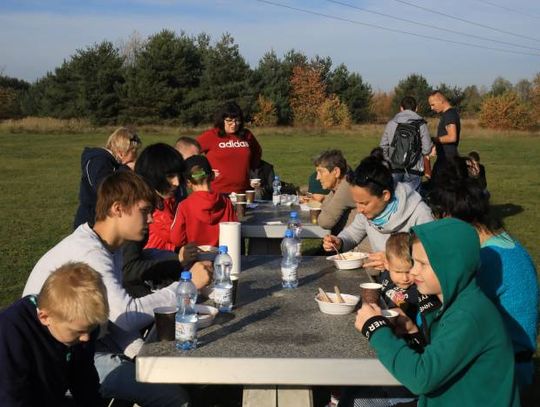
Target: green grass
(40, 178)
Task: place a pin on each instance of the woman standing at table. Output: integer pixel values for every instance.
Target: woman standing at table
(382, 209)
(231, 149)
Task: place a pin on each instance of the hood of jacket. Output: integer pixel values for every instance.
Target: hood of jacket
(210, 206)
(406, 116)
(408, 200)
(453, 249)
(90, 153)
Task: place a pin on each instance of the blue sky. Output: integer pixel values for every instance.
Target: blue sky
(36, 36)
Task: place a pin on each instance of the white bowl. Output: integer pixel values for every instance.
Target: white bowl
(352, 260)
(208, 253)
(337, 308)
(205, 315)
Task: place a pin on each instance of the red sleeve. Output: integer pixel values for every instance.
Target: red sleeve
(205, 140)
(256, 151)
(178, 235)
(160, 229)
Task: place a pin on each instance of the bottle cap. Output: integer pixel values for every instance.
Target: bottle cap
(223, 248)
(289, 233)
(185, 275)
(294, 214)
(276, 177)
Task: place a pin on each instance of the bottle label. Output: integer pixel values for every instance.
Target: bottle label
(288, 273)
(185, 331)
(222, 295)
(276, 199)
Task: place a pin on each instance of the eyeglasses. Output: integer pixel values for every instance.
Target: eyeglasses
(233, 121)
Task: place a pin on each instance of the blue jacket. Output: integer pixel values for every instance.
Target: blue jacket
(96, 164)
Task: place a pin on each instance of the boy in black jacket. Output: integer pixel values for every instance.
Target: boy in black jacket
(47, 341)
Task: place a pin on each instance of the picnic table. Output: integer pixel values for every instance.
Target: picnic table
(276, 343)
(265, 226)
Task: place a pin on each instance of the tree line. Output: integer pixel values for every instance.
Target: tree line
(181, 79)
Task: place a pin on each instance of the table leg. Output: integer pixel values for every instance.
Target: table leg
(259, 396)
(290, 396)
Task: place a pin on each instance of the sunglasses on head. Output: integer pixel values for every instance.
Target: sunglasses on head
(364, 179)
(135, 139)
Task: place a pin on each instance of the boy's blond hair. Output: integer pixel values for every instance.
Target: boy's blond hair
(397, 246)
(75, 291)
(123, 140)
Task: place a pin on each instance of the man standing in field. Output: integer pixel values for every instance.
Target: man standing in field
(405, 142)
(123, 212)
(447, 140)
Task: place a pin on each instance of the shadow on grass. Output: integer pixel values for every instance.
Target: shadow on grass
(506, 210)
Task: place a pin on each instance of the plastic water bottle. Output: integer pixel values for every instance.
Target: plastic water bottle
(276, 191)
(222, 280)
(295, 225)
(186, 316)
(289, 261)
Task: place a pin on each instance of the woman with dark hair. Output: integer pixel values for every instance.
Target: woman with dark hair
(154, 259)
(507, 274)
(161, 167)
(382, 210)
(231, 149)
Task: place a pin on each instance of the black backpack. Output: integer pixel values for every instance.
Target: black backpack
(406, 146)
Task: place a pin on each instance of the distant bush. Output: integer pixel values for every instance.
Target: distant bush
(46, 125)
(334, 113)
(9, 103)
(506, 111)
(381, 106)
(266, 115)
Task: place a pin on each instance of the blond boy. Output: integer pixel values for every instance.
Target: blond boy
(47, 341)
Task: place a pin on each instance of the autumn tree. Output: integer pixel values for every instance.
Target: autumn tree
(535, 96)
(505, 111)
(334, 113)
(307, 95)
(266, 114)
(381, 106)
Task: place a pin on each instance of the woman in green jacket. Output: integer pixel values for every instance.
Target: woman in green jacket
(467, 358)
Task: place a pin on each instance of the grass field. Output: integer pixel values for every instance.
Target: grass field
(39, 180)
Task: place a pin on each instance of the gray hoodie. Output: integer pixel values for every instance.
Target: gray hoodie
(411, 211)
(404, 117)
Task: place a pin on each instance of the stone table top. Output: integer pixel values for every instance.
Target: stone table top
(274, 336)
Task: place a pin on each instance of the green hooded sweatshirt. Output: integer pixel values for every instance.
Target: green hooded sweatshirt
(469, 360)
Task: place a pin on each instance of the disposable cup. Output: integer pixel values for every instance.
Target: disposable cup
(314, 215)
(240, 197)
(255, 182)
(240, 210)
(250, 196)
(370, 292)
(164, 317)
(390, 315)
(234, 280)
